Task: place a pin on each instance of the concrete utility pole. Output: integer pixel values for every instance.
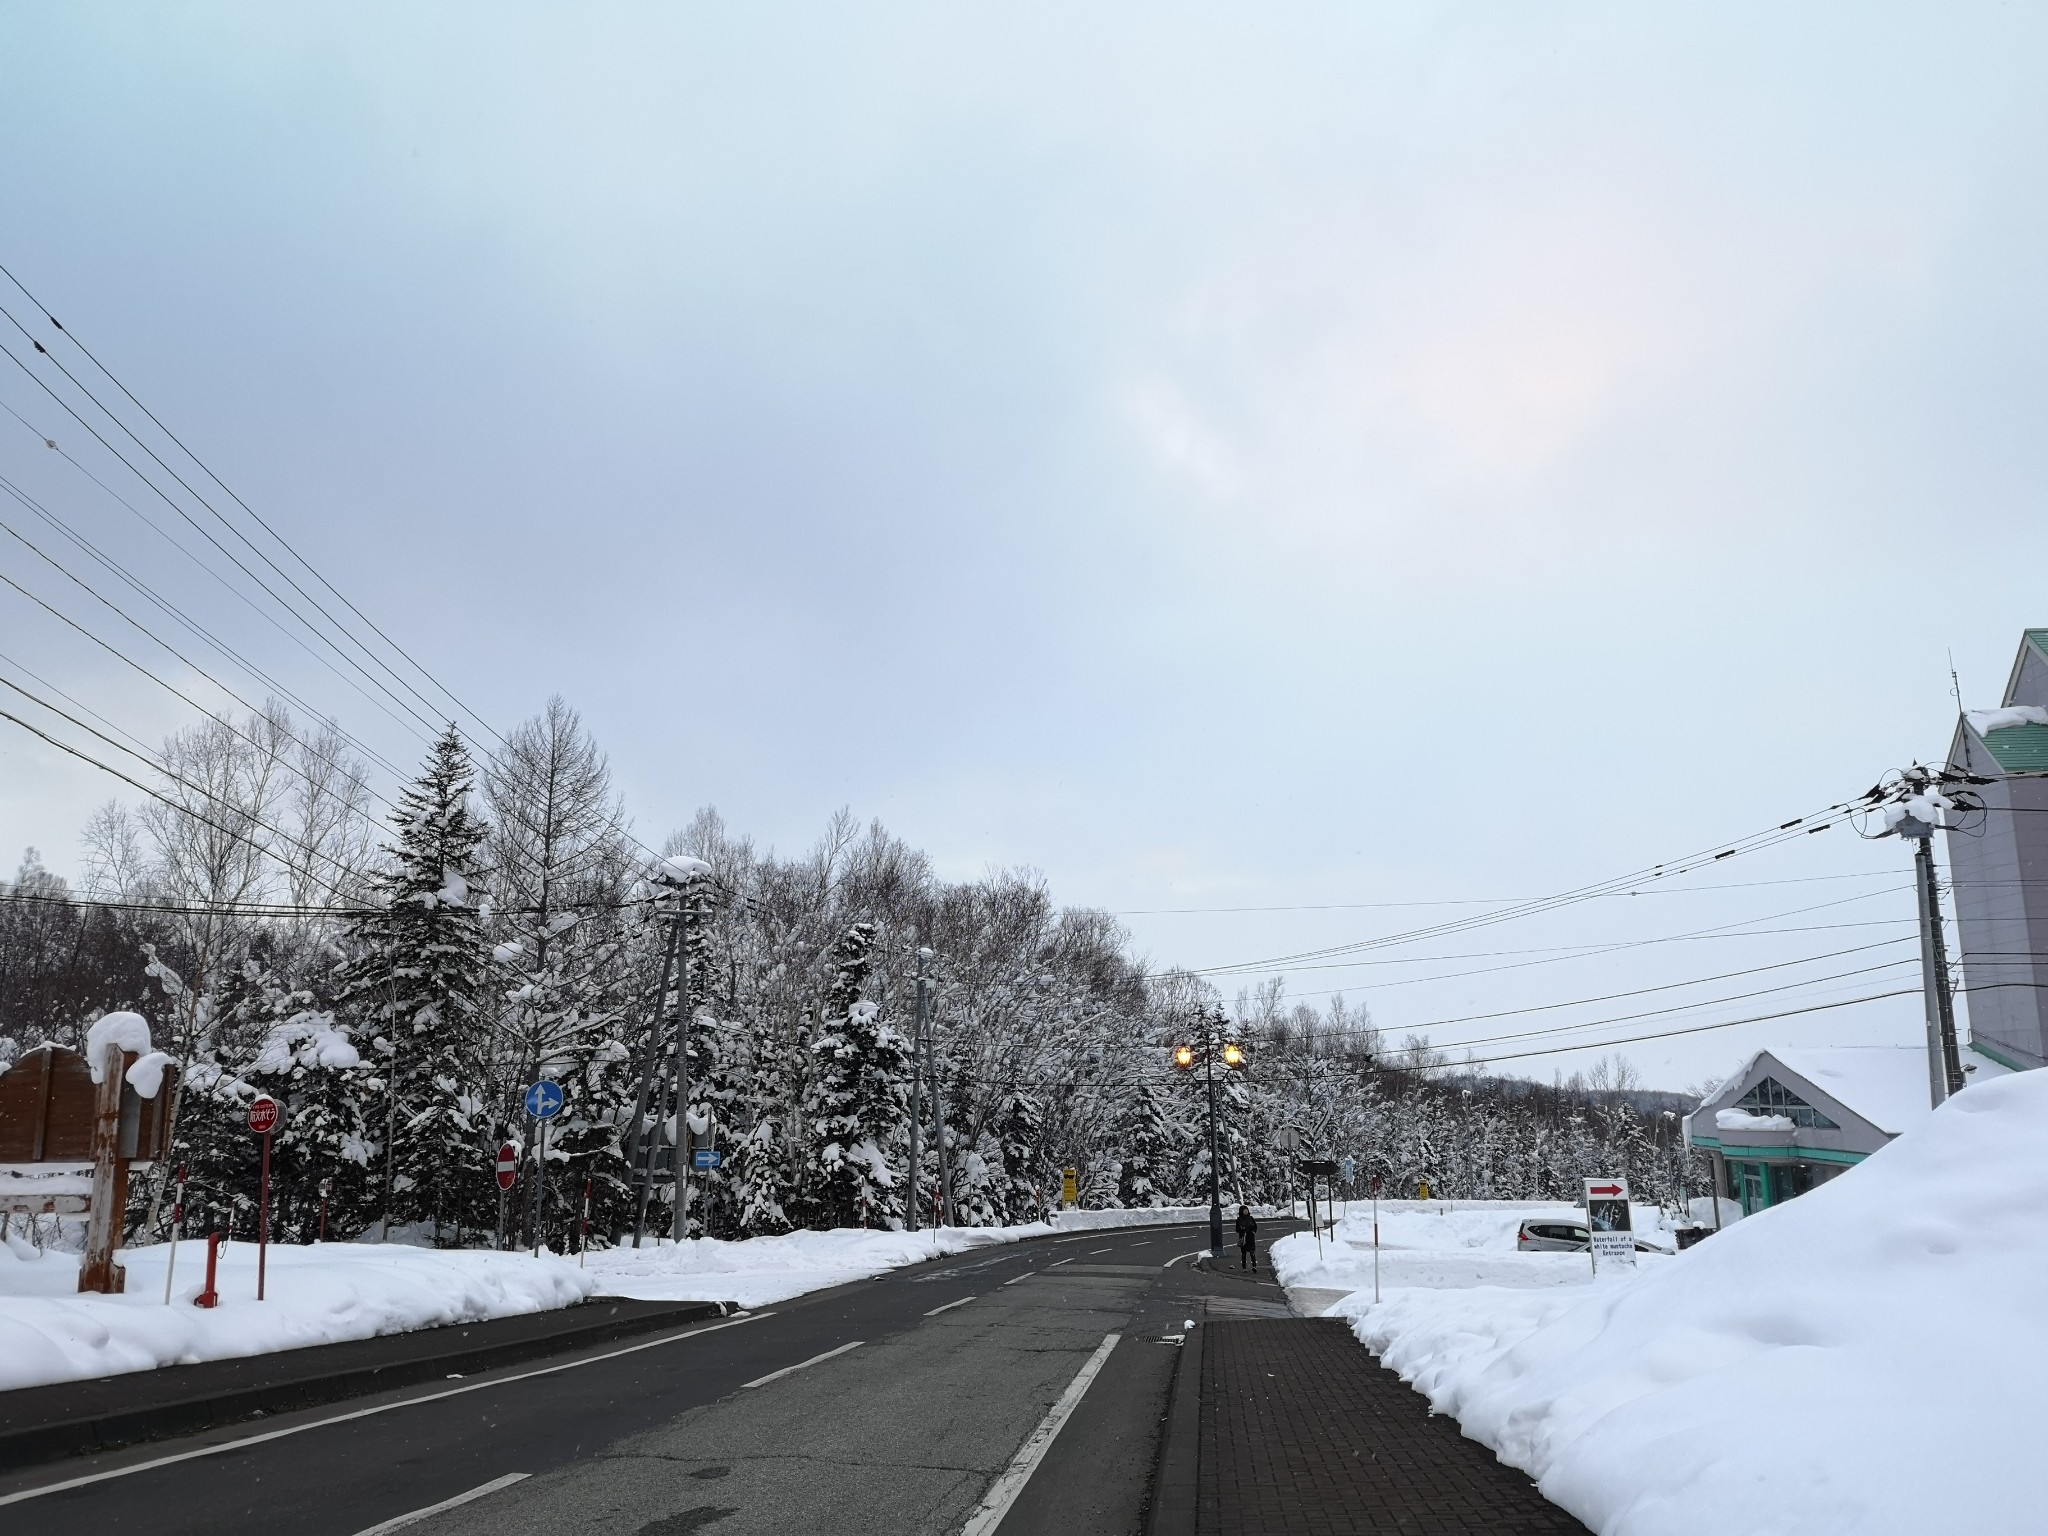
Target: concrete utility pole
(1944, 1060)
(1915, 817)
(645, 1138)
(916, 1091)
(948, 1215)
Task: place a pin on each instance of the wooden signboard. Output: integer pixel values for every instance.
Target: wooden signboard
(67, 1145)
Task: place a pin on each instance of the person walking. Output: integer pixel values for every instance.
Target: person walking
(1247, 1239)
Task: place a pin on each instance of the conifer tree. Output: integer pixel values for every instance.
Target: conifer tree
(858, 1101)
(415, 985)
(1151, 1145)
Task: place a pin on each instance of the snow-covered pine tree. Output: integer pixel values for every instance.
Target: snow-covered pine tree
(858, 1100)
(1151, 1147)
(1021, 1132)
(414, 986)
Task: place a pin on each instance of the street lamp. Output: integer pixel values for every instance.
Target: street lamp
(1205, 1053)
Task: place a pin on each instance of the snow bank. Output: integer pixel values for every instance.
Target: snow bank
(1863, 1359)
(1433, 1245)
(758, 1271)
(316, 1295)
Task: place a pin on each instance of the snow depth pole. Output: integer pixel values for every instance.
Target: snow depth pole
(948, 1214)
(177, 1221)
(1375, 1240)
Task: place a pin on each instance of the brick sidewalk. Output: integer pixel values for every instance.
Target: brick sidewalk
(1303, 1433)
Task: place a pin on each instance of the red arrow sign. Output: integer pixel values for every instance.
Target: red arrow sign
(508, 1166)
(263, 1115)
(1603, 1189)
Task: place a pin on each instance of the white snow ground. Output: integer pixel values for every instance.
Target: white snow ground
(330, 1292)
(1864, 1359)
(320, 1294)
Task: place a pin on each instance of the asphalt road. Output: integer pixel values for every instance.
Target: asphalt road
(891, 1406)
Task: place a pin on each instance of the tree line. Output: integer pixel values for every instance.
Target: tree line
(397, 981)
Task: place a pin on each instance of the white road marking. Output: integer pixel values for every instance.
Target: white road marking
(364, 1413)
(1025, 1276)
(400, 1522)
(1056, 1263)
(995, 1504)
(1179, 1256)
(762, 1381)
(949, 1306)
(1094, 1251)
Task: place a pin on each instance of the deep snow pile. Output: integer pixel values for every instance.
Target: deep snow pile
(314, 1295)
(1434, 1245)
(1863, 1359)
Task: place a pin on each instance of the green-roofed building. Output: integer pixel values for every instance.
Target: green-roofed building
(2000, 865)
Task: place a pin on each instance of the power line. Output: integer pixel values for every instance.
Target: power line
(1486, 901)
(1798, 826)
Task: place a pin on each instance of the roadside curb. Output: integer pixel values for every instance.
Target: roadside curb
(48, 1423)
(1176, 1479)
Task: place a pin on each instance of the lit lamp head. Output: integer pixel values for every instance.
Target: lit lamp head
(1184, 1056)
(1233, 1054)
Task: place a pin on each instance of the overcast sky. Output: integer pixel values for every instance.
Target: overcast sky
(1216, 457)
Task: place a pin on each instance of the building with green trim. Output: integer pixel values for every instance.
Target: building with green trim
(1792, 1119)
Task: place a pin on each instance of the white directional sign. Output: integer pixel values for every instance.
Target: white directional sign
(1609, 1222)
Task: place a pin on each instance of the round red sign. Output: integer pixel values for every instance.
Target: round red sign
(508, 1166)
(263, 1115)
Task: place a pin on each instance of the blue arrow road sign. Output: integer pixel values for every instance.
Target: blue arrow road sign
(706, 1157)
(544, 1100)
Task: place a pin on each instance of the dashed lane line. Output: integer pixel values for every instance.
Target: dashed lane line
(400, 1522)
(949, 1306)
(790, 1370)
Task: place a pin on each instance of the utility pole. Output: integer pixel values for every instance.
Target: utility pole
(640, 1152)
(917, 1046)
(1915, 815)
(948, 1214)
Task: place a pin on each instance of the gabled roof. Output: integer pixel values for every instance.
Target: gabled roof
(2032, 658)
(1885, 1085)
(2017, 748)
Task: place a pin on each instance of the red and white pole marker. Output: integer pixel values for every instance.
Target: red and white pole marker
(263, 1118)
(1375, 1242)
(210, 1297)
(177, 1221)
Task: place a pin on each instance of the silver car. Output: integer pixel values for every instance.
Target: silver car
(1542, 1234)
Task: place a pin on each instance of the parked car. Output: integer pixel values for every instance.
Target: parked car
(1541, 1234)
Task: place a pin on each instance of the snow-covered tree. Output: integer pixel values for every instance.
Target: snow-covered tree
(415, 985)
(858, 1102)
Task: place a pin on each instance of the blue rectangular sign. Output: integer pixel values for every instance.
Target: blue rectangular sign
(706, 1157)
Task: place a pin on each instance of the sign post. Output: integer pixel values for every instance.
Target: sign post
(1609, 1224)
(263, 1117)
(543, 1102)
(507, 1170)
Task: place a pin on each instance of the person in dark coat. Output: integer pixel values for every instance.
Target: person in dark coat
(1247, 1238)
